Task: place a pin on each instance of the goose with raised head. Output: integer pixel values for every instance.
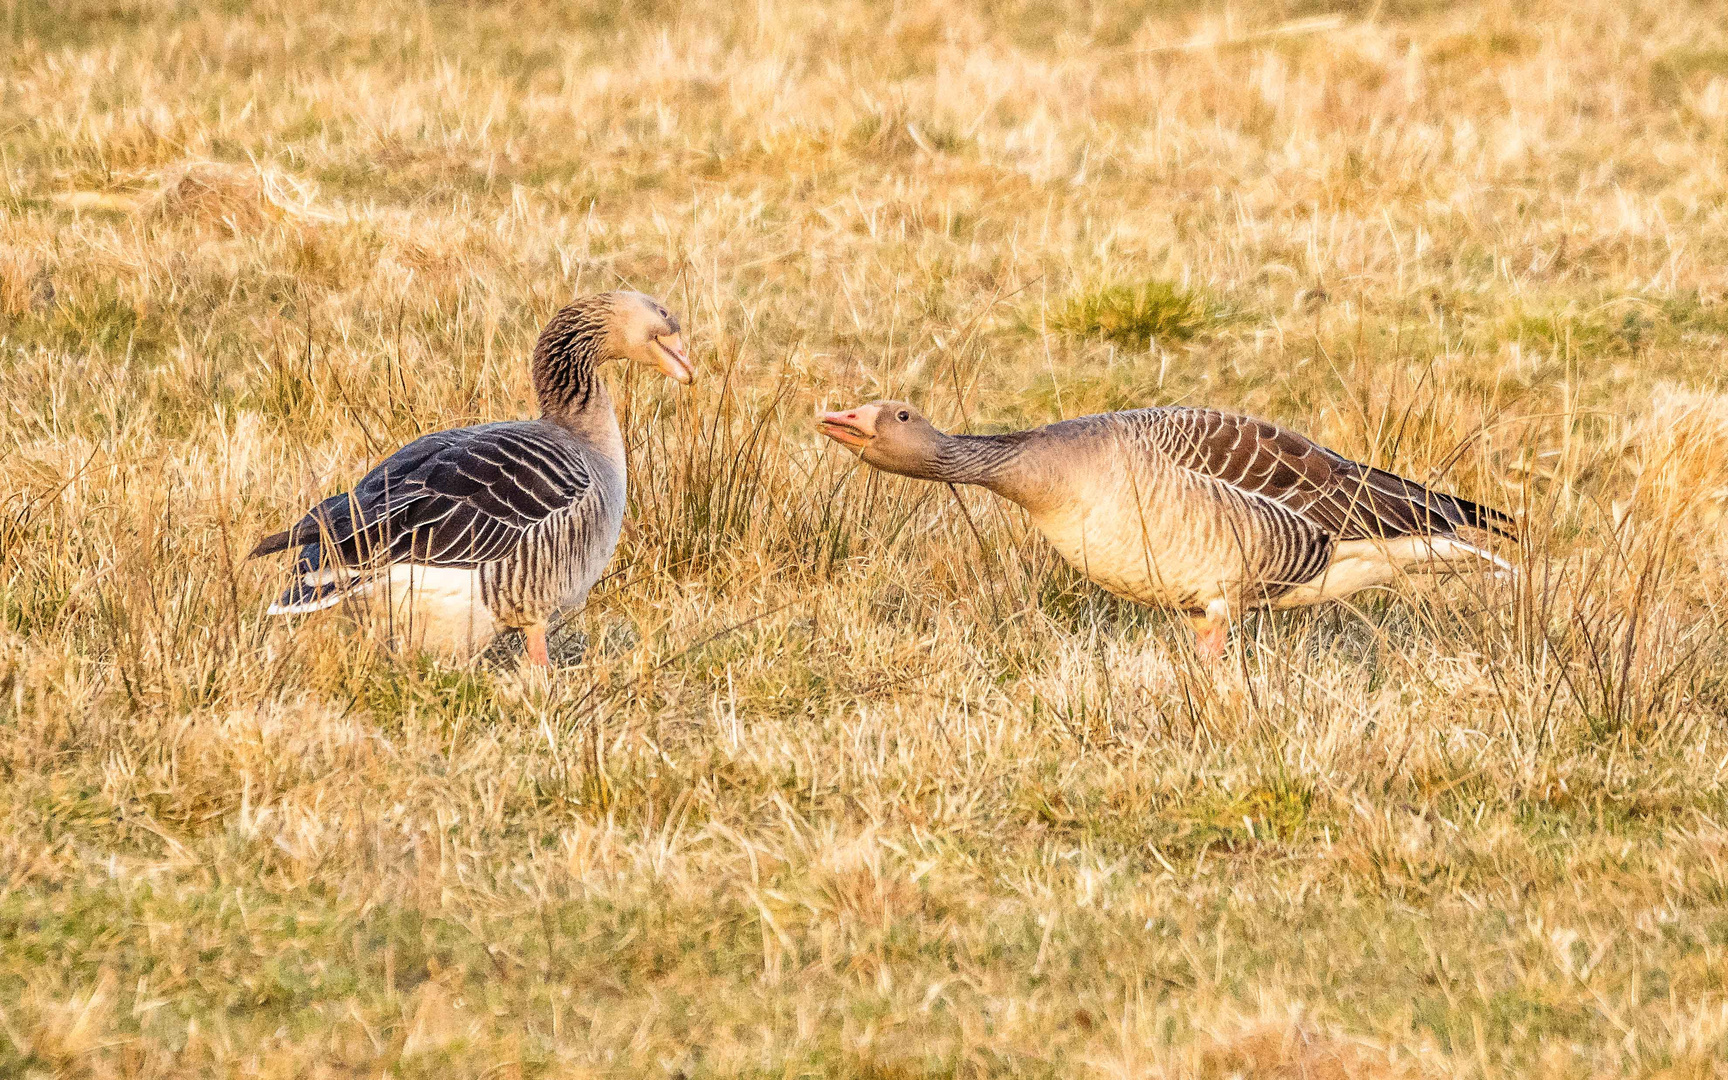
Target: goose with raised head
(466, 532)
(1198, 511)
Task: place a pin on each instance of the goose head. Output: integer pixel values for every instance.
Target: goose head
(891, 435)
(629, 326)
(642, 330)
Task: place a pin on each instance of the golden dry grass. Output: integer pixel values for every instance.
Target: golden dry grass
(843, 788)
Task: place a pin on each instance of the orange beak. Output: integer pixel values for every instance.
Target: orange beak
(853, 428)
(673, 361)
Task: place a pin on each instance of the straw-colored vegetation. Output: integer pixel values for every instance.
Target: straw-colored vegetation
(844, 787)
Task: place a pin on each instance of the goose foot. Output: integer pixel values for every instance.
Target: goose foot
(1211, 633)
(1210, 639)
(534, 639)
(565, 646)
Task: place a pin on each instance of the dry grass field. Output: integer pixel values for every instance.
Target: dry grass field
(854, 778)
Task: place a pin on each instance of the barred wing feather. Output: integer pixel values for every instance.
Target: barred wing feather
(452, 498)
(1350, 501)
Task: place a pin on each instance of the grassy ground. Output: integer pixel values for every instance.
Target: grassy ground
(843, 787)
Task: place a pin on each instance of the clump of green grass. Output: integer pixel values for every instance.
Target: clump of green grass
(1266, 813)
(1675, 70)
(1137, 315)
(1691, 313)
(1600, 330)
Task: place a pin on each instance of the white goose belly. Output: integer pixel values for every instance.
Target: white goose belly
(1363, 564)
(1173, 555)
(457, 611)
(1194, 560)
(438, 608)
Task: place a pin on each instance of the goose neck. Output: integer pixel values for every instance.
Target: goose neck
(565, 359)
(595, 423)
(1002, 463)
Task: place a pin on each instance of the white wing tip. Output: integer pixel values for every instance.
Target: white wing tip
(314, 592)
(307, 608)
(1501, 566)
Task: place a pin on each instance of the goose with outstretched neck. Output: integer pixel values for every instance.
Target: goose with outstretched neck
(1199, 511)
(502, 526)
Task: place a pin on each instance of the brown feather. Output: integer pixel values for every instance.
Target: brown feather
(1349, 500)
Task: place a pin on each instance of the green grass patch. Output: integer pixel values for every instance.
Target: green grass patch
(1137, 314)
(1677, 70)
(1274, 812)
(1617, 329)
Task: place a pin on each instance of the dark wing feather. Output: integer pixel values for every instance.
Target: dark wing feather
(1349, 500)
(451, 498)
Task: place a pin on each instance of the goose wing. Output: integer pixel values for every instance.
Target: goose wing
(1349, 500)
(452, 498)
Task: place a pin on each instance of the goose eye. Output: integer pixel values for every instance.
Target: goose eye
(904, 416)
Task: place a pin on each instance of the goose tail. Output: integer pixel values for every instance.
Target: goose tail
(271, 544)
(1501, 566)
(1488, 519)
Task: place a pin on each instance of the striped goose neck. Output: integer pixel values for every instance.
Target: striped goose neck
(569, 349)
(998, 462)
(970, 459)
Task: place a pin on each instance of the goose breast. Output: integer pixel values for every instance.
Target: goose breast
(1150, 531)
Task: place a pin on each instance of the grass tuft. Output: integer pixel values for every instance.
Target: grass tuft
(1136, 315)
